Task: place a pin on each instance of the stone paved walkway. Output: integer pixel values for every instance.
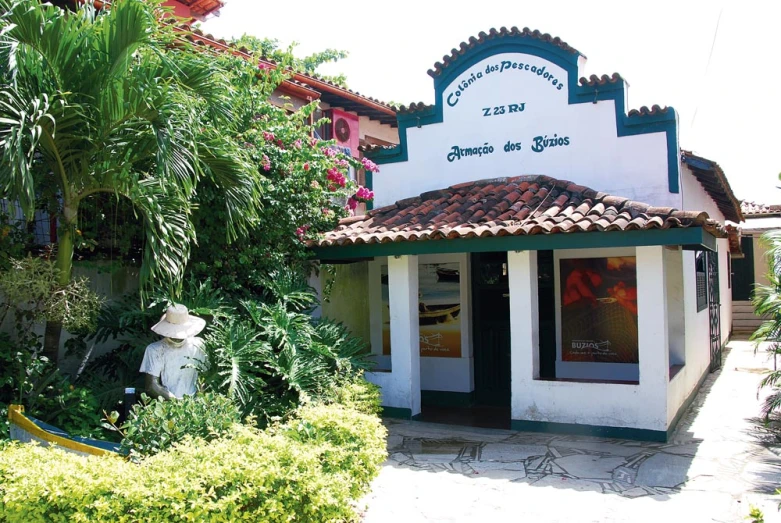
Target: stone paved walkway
(713, 470)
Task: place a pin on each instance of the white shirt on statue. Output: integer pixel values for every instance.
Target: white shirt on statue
(175, 364)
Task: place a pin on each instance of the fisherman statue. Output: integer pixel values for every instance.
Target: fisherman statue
(169, 364)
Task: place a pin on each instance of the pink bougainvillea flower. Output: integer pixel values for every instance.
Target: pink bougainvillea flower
(266, 163)
(352, 203)
(313, 141)
(306, 166)
(337, 177)
(269, 137)
(364, 195)
(329, 152)
(369, 165)
(341, 162)
(297, 144)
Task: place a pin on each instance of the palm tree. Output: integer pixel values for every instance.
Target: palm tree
(111, 101)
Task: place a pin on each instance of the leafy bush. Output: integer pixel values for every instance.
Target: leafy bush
(270, 356)
(311, 469)
(155, 425)
(357, 393)
(30, 293)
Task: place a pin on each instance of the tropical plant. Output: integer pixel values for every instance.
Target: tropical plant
(305, 188)
(270, 48)
(271, 356)
(127, 324)
(112, 101)
(767, 304)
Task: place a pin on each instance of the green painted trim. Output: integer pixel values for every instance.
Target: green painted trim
(686, 404)
(665, 122)
(690, 236)
(442, 398)
(601, 431)
(396, 412)
(369, 184)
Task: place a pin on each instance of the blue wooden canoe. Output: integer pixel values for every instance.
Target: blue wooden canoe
(27, 429)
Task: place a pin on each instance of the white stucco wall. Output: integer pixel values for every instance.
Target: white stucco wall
(697, 338)
(695, 198)
(438, 374)
(631, 166)
(676, 323)
(641, 406)
(401, 385)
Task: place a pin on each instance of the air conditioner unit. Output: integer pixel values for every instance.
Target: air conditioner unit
(343, 129)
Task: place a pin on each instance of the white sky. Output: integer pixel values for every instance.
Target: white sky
(660, 47)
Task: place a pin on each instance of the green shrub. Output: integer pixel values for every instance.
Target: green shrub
(155, 425)
(358, 394)
(311, 469)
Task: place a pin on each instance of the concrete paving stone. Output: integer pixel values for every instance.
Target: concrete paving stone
(434, 458)
(713, 470)
(589, 466)
(688, 449)
(507, 452)
(394, 442)
(612, 449)
(635, 492)
(509, 475)
(663, 470)
(561, 482)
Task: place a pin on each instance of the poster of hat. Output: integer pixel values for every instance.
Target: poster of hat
(599, 310)
(439, 310)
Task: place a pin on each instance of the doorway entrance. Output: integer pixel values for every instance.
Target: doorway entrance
(489, 405)
(491, 328)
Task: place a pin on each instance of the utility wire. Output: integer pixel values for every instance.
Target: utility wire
(710, 56)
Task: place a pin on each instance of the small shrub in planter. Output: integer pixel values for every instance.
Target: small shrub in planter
(156, 425)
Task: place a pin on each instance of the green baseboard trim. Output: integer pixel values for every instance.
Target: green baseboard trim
(396, 412)
(442, 398)
(687, 402)
(602, 431)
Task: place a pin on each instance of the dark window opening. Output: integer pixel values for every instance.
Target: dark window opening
(700, 267)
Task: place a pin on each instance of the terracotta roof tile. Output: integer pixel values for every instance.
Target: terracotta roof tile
(753, 209)
(492, 34)
(595, 80)
(645, 111)
(542, 205)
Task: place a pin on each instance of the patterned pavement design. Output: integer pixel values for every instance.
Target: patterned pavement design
(716, 465)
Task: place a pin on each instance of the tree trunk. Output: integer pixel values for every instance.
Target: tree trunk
(64, 264)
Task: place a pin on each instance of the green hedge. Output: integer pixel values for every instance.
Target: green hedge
(311, 469)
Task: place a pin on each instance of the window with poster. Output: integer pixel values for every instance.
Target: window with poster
(599, 310)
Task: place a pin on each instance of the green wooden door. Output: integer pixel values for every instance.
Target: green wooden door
(491, 334)
(743, 271)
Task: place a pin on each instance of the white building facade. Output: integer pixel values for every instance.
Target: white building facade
(536, 249)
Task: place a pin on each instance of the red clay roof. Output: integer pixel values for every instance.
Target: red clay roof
(492, 34)
(523, 205)
(759, 210)
(203, 8)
